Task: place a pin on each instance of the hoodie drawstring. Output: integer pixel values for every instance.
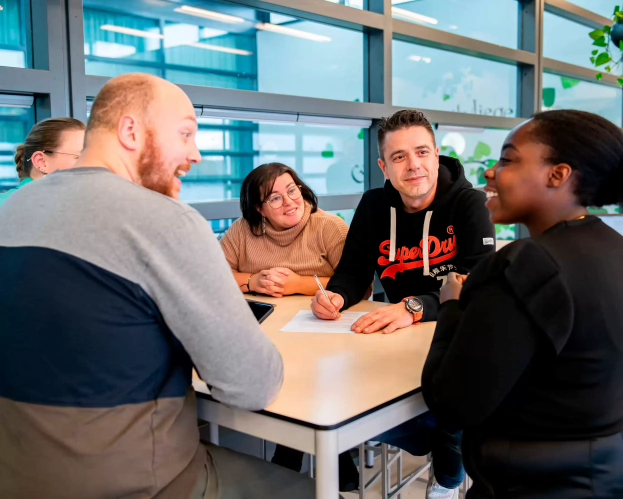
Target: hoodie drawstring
(429, 215)
(392, 238)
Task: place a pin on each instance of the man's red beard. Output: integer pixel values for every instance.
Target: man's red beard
(152, 170)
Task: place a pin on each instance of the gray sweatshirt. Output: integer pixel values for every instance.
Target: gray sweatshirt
(109, 294)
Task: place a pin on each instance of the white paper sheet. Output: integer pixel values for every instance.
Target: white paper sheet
(306, 322)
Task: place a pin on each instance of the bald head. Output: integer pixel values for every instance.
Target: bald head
(128, 94)
(133, 94)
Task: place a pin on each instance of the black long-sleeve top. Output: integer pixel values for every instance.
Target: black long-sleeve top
(534, 347)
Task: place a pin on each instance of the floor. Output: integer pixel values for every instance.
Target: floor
(250, 445)
(416, 490)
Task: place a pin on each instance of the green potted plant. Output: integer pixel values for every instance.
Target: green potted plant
(605, 39)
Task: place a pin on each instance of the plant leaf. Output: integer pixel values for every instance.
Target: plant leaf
(482, 150)
(608, 69)
(603, 58)
(618, 16)
(568, 83)
(616, 9)
(620, 80)
(598, 211)
(601, 42)
(446, 97)
(599, 76)
(592, 60)
(362, 134)
(594, 52)
(549, 97)
(597, 34)
(621, 45)
(607, 29)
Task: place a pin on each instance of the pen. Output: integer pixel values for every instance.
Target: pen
(323, 291)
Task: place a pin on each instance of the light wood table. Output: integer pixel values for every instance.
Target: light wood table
(339, 389)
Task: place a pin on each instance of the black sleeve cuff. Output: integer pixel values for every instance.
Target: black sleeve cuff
(343, 294)
(431, 306)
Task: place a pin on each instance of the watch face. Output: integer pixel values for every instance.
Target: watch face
(415, 305)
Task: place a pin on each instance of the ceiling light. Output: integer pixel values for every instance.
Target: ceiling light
(21, 101)
(132, 32)
(217, 48)
(208, 14)
(293, 32)
(413, 16)
(112, 50)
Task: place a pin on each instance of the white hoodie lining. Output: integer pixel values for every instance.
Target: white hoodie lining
(392, 235)
(427, 218)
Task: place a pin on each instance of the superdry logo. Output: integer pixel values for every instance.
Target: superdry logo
(409, 259)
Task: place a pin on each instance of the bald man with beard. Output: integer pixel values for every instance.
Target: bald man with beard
(112, 290)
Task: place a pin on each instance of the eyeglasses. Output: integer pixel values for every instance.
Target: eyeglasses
(75, 156)
(276, 201)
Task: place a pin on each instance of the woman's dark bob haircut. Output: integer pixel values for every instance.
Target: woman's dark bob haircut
(258, 185)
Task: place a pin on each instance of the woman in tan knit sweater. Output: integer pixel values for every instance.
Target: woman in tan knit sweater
(280, 242)
(282, 239)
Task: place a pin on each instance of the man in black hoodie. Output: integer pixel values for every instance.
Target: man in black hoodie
(426, 197)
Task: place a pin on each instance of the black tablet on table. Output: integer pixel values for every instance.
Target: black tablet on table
(261, 310)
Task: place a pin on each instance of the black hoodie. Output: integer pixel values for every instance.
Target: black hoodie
(459, 236)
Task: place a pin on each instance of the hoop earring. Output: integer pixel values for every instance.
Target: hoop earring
(263, 225)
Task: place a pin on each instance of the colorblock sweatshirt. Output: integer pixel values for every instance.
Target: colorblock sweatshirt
(109, 294)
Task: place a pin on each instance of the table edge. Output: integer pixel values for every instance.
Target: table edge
(335, 426)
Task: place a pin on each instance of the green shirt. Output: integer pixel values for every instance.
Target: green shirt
(6, 195)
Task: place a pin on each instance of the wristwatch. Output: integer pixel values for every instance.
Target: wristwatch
(414, 306)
